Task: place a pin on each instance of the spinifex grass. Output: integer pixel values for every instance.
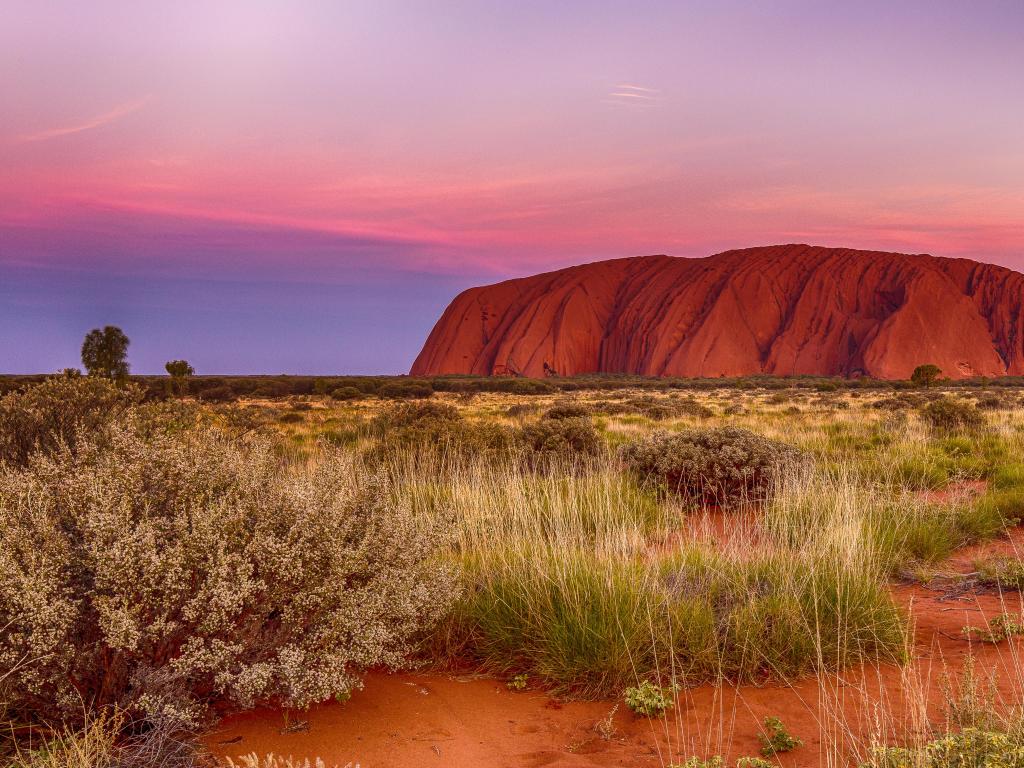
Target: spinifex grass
(580, 578)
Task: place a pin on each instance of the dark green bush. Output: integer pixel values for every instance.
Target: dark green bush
(405, 390)
(723, 465)
(949, 415)
(567, 411)
(548, 438)
(346, 393)
(435, 426)
(221, 394)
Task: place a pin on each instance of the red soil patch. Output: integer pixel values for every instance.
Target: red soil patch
(429, 719)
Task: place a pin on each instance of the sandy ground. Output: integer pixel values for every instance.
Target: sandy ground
(401, 720)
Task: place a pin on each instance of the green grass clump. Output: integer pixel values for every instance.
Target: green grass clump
(591, 622)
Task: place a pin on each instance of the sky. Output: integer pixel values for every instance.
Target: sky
(302, 187)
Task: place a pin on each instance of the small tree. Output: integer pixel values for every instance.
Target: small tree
(925, 375)
(104, 353)
(179, 371)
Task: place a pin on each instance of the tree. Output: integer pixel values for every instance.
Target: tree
(179, 371)
(925, 375)
(104, 352)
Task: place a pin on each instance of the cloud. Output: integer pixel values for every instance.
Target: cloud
(106, 118)
(626, 93)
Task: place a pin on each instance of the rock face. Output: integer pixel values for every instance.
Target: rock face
(784, 310)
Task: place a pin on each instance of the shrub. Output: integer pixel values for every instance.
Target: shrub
(405, 390)
(722, 465)
(997, 629)
(519, 410)
(992, 403)
(518, 682)
(650, 700)
(949, 415)
(218, 394)
(776, 738)
(435, 426)
(571, 436)
(1002, 572)
(971, 747)
(659, 408)
(346, 393)
(714, 761)
(56, 411)
(158, 573)
(567, 411)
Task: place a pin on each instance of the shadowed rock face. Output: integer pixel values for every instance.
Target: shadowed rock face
(784, 310)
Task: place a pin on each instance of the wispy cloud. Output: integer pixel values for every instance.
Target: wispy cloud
(628, 93)
(122, 110)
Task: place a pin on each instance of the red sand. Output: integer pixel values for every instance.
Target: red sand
(786, 309)
(434, 720)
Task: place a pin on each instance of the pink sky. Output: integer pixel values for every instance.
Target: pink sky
(367, 144)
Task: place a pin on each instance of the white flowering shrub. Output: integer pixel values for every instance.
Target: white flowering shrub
(161, 572)
(56, 410)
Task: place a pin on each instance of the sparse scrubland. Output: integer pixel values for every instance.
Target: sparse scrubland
(166, 561)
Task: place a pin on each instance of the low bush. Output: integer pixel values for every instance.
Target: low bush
(970, 748)
(548, 439)
(658, 408)
(992, 403)
(567, 411)
(1002, 572)
(405, 390)
(724, 465)
(434, 426)
(346, 393)
(949, 415)
(55, 412)
(650, 700)
(158, 572)
(776, 738)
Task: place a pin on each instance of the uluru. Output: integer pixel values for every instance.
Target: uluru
(781, 309)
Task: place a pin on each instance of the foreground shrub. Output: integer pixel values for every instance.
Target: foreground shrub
(723, 465)
(949, 415)
(161, 573)
(56, 411)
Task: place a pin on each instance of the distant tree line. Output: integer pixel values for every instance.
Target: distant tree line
(105, 355)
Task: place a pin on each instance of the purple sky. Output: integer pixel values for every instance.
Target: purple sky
(266, 187)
